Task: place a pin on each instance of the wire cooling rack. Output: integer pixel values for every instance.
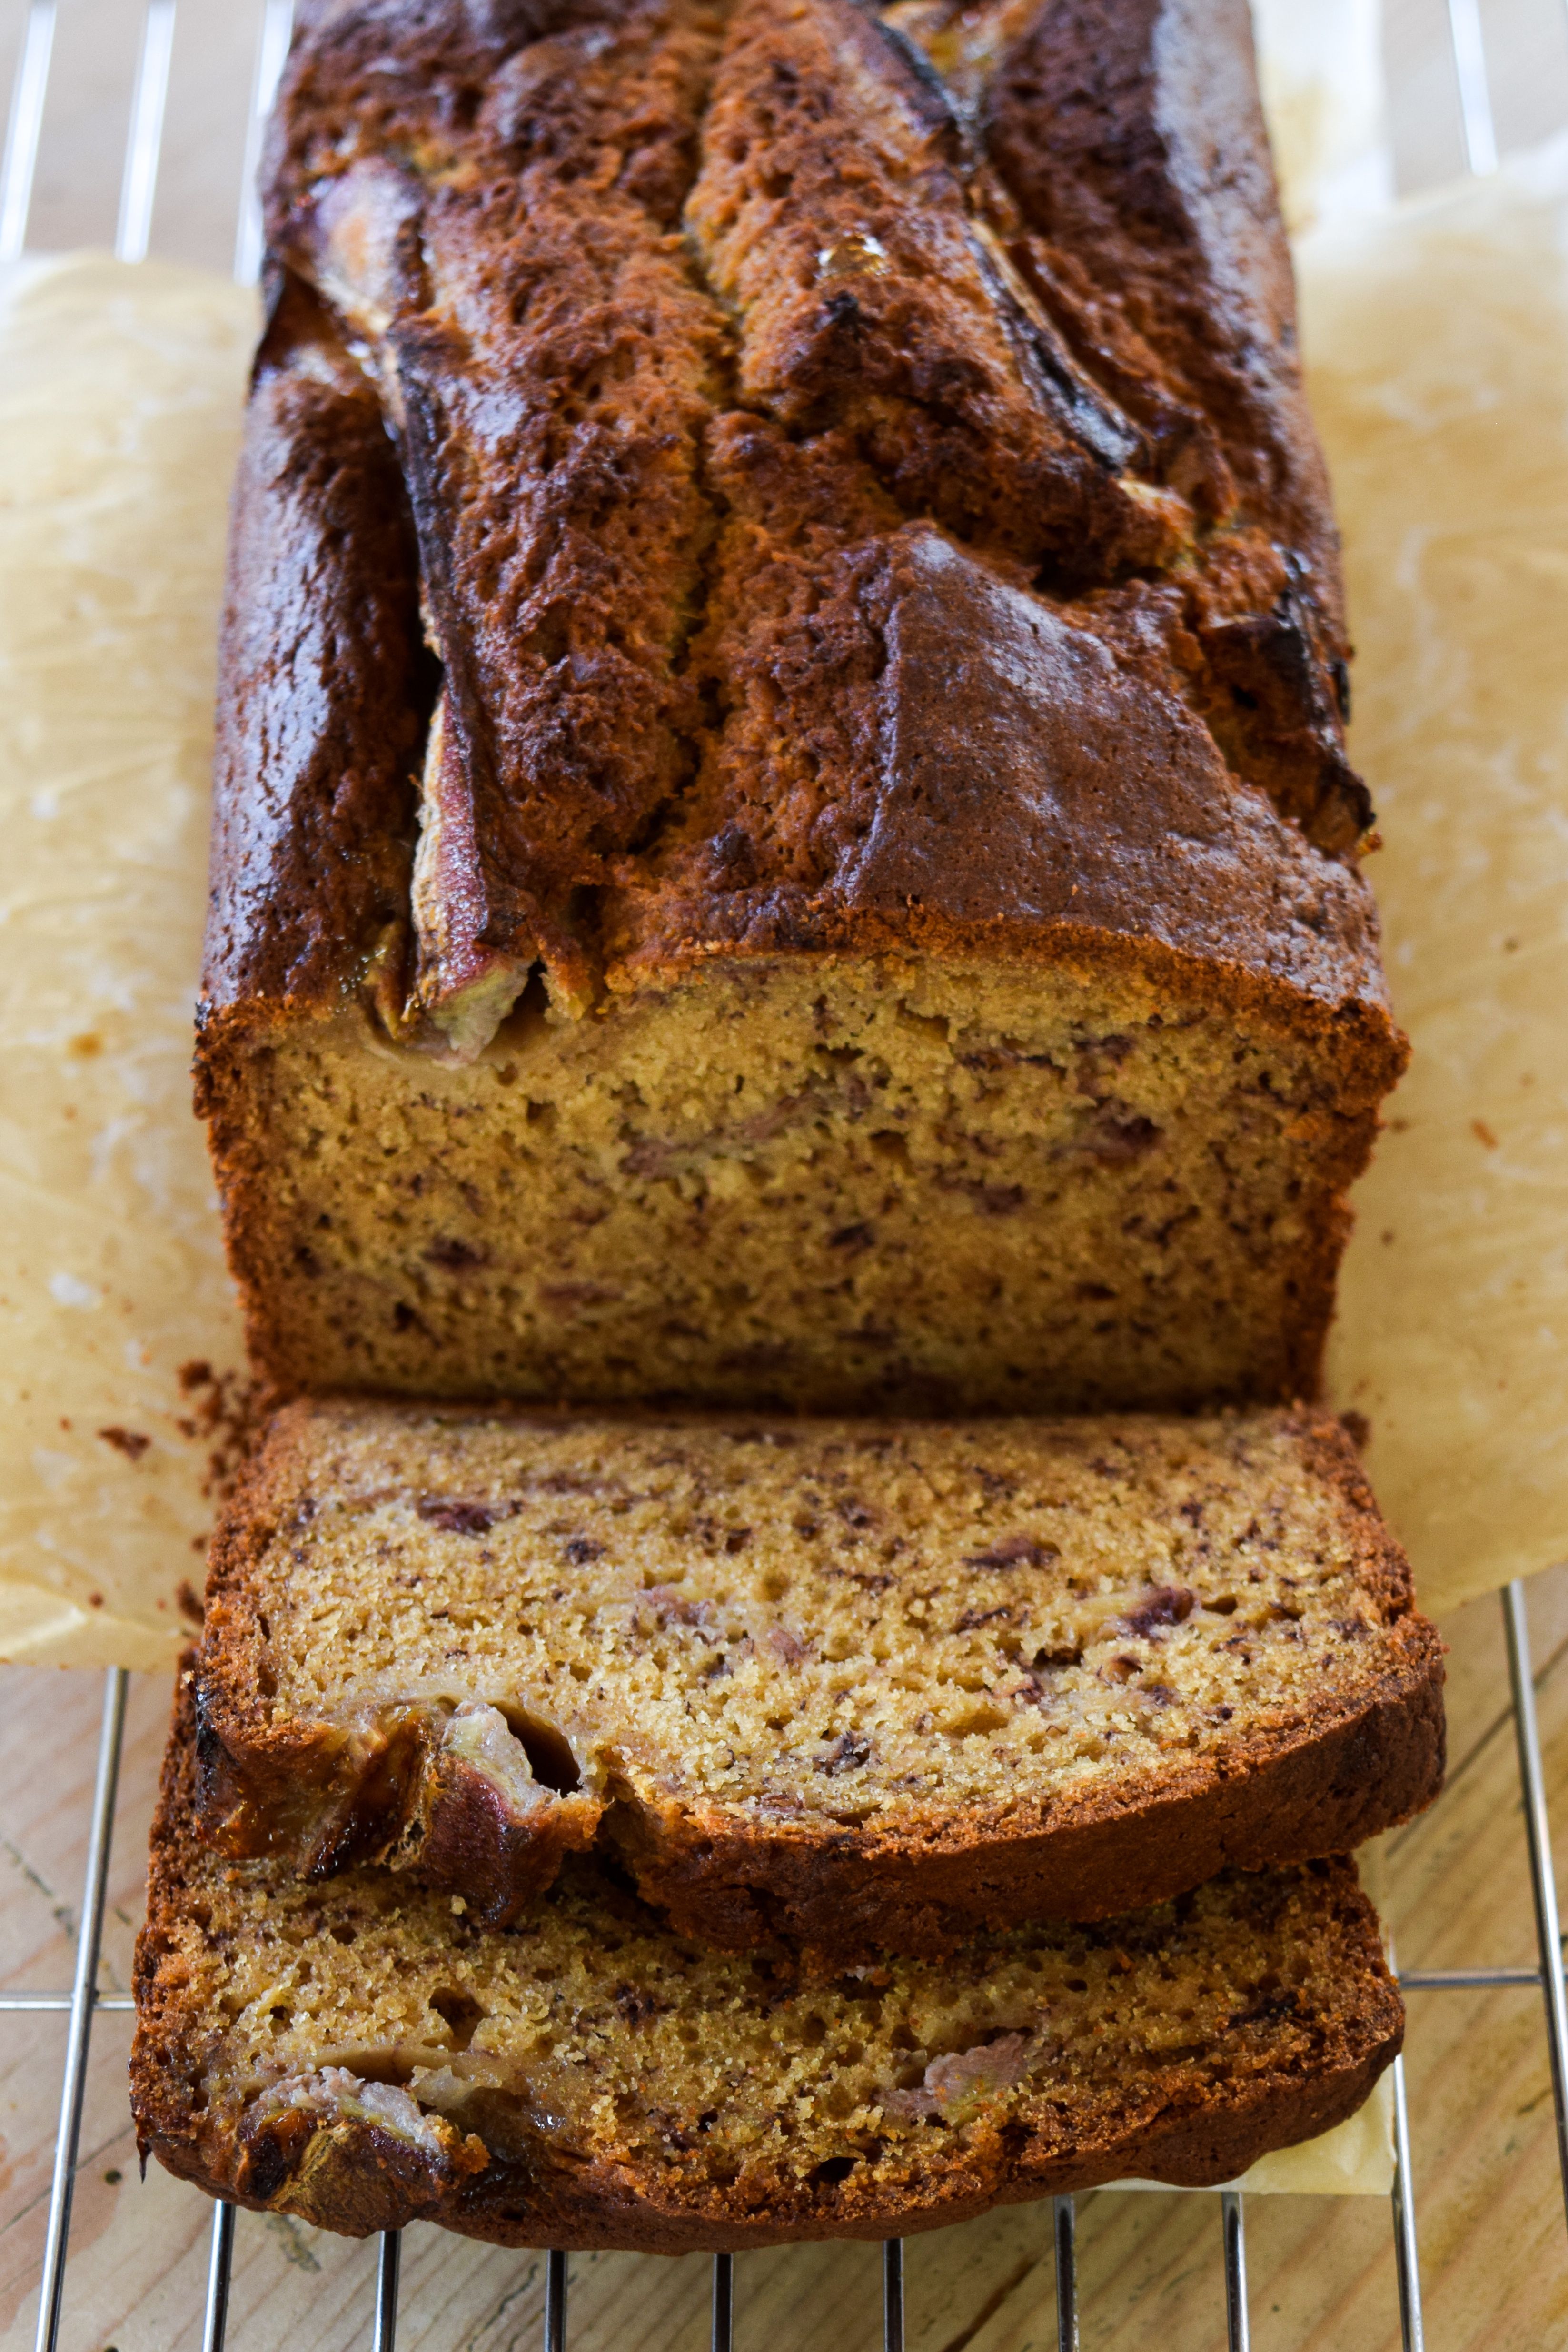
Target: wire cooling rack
(1470, 89)
(83, 2001)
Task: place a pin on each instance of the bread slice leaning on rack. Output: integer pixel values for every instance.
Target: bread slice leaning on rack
(363, 2054)
(872, 1685)
(783, 833)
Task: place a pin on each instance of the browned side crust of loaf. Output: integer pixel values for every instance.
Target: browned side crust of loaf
(360, 2180)
(302, 1791)
(1323, 1791)
(313, 812)
(942, 738)
(356, 2178)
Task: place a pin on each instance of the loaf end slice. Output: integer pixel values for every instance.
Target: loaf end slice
(362, 2054)
(872, 1685)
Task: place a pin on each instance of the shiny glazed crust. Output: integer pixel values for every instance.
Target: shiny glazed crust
(1302, 2061)
(1366, 1754)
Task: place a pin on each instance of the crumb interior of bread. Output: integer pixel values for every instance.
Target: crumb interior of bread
(589, 2024)
(862, 1622)
(828, 1184)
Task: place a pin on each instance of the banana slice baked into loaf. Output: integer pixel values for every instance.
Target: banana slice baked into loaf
(783, 833)
(870, 1685)
(363, 2054)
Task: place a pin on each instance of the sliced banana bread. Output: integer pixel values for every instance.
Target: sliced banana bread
(870, 1685)
(363, 2054)
(861, 906)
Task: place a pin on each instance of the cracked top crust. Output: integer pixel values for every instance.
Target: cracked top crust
(730, 351)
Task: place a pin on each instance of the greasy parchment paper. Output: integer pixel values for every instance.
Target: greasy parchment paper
(1438, 344)
(120, 398)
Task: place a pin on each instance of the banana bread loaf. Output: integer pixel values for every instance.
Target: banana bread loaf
(854, 903)
(868, 1685)
(362, 2054)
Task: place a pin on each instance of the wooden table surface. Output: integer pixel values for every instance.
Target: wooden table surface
(1489, 2201)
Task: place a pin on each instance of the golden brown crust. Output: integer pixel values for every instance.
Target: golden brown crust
(1319, 2020)
(326, 690)
(961, 360)
(988, 771)
(1363, 1755)
(357, 2183)
(1323, 1790)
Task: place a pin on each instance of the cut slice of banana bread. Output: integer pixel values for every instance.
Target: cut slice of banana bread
(363, 2054)
(871, 1684)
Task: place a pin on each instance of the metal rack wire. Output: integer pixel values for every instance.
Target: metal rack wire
(83, 2001)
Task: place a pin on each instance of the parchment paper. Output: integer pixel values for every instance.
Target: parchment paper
(120, 395)
(1437, 342)
(1321, 67)
(1438, 345)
